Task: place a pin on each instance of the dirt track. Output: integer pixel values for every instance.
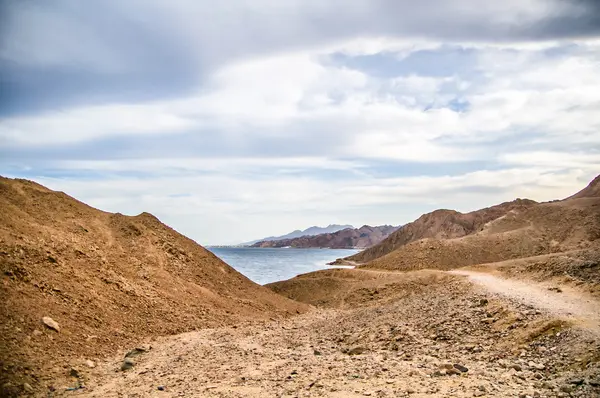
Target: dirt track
(560, 302)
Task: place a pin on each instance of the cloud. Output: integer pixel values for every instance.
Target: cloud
(105, 51)
(235, 121)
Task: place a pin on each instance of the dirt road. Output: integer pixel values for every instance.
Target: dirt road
(557, 301)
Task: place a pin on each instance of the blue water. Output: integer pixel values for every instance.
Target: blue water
(270, 265)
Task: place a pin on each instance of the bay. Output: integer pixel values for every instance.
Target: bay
(266, 265)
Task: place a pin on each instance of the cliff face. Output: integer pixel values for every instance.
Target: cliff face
(116, 278)
(362, 237)
(440, 224)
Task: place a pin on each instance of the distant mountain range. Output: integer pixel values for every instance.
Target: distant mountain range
(312, 231)
(347, 238)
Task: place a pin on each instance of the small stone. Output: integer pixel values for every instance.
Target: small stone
(566, 388)
(410, 391)
(357, 351)
(478, 393)
(128, 363)
(460, 367)
(37, 332)
(316, 352)
(27, 388)
(537, 366)
(135, 352)
(576, 381)
(75, 373)
(90, 364)
(453, 371)
(51, 323)
(516, 367)
(161, 388)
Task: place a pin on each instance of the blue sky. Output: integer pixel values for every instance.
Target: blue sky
(254, 118)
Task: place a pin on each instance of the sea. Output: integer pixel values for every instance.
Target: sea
(265, 265)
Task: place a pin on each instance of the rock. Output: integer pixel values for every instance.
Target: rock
(90, 364)
(478, 393)
(160, 388)
(410, 391)
(566, 388)
(315, 352)
(357, 350)
(27, 388)
(453, 372)
(594, 382)
(135, 352)
(537, 366)
(51, 323)
(75, 373)
(37, 332)
(128, 363)
(575, 381)
(460, 367)
(516, 367)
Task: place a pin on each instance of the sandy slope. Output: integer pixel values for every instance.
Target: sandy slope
(108, 280)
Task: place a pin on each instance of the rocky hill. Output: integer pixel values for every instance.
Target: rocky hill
(311, 231)
(104, 281)
(526, 230)
(365, 236)
(440, 224)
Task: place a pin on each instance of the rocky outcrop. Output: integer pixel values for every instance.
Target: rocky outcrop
(365, 236)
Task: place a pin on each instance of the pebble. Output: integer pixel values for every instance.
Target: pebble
(27, 388)
(566, 388)
(460, 367)
(161, 388)
(128, 363)
(575, 381)
(90, 364)
(51, 323)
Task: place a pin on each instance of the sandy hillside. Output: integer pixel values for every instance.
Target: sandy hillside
(108, 280)
(445, 239)
(441, 224)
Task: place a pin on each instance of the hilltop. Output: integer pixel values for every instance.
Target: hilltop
(108, 280)
(348, 238)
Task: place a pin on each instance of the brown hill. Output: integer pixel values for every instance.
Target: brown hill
(440, 224)
(545, 228)
(109, 281)
(365, 236)
(591, 191)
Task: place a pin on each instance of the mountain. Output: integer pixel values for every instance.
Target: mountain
(512, 230)
(108, 280)
(348, 238)
(440, 224)
(312, 231)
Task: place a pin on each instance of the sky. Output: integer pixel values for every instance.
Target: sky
(231, 121)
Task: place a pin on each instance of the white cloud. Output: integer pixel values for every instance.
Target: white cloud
(276, 134)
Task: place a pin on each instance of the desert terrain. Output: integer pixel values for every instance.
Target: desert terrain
(503, 302)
